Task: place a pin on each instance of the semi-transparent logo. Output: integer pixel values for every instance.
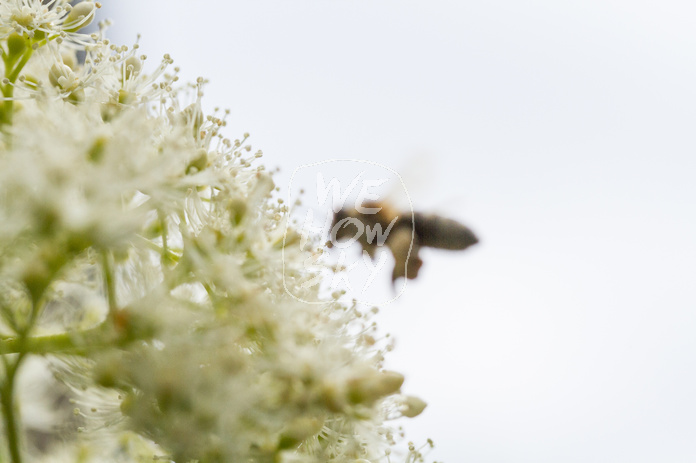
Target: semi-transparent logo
(345, 215)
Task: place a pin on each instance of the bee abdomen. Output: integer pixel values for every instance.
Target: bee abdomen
(438, 232)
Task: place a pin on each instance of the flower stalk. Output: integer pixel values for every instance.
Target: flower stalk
(9, 407)
(15, 56)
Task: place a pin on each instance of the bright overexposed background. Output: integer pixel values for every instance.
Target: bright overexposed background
(563, 133)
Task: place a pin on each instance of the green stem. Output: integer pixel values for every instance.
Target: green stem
(7, 109)
(7, 389)
(109, 283)
(10, 413)
(14, 74)
(170, 253)
(79, 343)
(165, 248)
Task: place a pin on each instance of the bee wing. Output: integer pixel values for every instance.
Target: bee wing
(442, 233)
(411, 178)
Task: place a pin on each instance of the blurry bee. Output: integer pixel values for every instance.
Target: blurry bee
(379, 224)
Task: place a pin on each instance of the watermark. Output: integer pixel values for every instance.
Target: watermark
(354, 218)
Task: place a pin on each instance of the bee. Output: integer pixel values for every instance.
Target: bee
(378, 224)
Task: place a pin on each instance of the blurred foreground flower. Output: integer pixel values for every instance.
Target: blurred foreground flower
(142, 305)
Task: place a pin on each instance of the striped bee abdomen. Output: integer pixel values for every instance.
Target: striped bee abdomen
(442, 233)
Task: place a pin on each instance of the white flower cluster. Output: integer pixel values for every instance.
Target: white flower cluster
(141, 265)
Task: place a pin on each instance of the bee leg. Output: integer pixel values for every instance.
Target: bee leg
(404, 247)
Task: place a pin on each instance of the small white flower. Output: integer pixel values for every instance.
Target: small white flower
(46, 20)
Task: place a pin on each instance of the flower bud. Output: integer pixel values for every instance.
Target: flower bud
(22, 17)
(332, 396)
(109, 110)
(77, 96)
(29, 80)
(389, 382)
(62, 77)
(80, 16)
(125, 97)
(237, 209)
(298, 430)
(16, 44)
(108, 369)
(96, 151)
(132, 66)
(373, 385)
(38, 270)
(412, 406)
(194, 116)
(69, 58)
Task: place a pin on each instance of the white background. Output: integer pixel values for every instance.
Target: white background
(562, 132)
